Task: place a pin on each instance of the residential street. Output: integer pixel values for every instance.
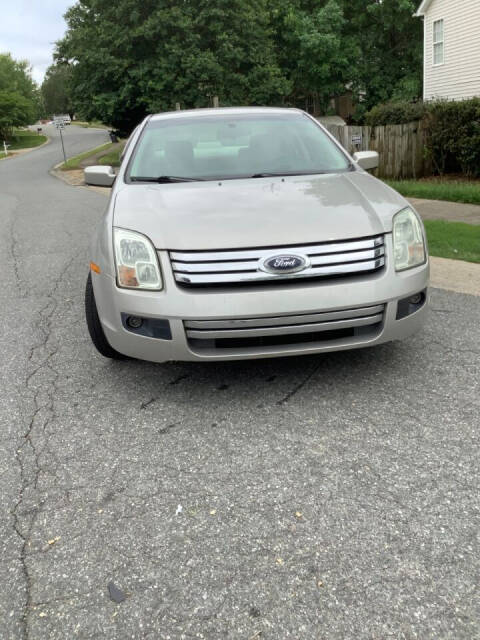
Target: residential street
(329, 497)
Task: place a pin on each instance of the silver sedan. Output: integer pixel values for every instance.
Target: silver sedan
(250, 233)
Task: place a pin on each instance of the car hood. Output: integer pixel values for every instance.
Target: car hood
(257, 212)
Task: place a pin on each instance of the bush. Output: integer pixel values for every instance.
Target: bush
(452, 131)
(453, 136)
(395, 113)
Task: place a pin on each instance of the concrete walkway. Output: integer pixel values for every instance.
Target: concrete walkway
(442, 210)
(455, 275)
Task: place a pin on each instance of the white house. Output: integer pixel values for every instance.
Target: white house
(451, 59)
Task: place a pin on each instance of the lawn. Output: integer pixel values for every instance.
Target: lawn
(90, 125)
(23, 140)
(439, 189)
(112, 159)
(74, 163)
(455, 240)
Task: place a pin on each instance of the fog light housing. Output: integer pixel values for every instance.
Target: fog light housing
(407, 306)
(149, 327)
(134, 322)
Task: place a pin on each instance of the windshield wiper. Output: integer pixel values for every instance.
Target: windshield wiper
(164, 179)
(272, 174)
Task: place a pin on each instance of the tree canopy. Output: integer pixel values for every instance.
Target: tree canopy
(133, 57)
(56, 90)
(19, 98)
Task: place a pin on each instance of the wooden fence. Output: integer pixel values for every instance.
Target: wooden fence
(401, 147)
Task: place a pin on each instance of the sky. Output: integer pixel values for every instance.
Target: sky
(29, 29)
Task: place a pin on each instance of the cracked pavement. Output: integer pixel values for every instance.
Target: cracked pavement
(326, 497)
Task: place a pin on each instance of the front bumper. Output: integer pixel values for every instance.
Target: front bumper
(178, 305)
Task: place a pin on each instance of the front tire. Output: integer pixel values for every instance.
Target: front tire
(95, 326)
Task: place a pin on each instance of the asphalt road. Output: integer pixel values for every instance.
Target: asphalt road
(323, 497)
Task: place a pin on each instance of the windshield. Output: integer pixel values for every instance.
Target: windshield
(228, 146)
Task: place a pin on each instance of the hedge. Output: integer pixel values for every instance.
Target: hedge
(394, 113)
(452, 131)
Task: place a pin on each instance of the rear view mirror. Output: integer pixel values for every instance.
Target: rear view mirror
(99, 176)
(366, 159)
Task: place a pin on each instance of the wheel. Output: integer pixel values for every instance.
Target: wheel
(95, 327)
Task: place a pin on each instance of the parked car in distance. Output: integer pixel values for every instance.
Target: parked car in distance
(62, 117)
(249, 233)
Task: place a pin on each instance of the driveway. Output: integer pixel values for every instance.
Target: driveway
(324, 497)
(443, 210)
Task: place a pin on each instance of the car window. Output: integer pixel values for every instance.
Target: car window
(234, 146)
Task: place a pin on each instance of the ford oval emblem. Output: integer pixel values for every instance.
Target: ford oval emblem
(283, 263)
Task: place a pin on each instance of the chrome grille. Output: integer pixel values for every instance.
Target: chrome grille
(349, 257)
(253, 332)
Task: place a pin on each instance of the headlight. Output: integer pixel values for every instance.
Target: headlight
(136, 261)
(408, 240)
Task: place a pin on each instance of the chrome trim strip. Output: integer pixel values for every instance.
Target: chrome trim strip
(219, 267)
(243, 323)
(258, 276)
(207, 334)
(255, 254)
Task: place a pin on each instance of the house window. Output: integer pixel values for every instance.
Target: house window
(438, 42)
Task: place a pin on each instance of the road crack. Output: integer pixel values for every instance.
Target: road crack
(41, 382)
(299, 386)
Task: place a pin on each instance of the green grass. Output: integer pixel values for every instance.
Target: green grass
(23, 140)
(74, 163)
(437, 189)
(455, 240)
(112, 159)
(90, 125)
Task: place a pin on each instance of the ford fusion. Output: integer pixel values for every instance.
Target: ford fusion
(250, 233)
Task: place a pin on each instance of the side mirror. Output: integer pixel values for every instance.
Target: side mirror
(366, 159)
(99, 176)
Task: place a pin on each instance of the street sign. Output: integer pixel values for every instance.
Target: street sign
(60, 125)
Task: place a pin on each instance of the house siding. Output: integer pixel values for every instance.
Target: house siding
(459, 77)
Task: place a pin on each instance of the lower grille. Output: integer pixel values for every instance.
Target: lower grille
(247, 266)
(251, 333)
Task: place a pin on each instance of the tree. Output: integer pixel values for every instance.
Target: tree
(56, 90)
(130, 58)
(390, 45)
(19, 97)
(319, 59)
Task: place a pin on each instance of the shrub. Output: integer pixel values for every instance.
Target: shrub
(453, 136)
(452, 131)
(395, 113)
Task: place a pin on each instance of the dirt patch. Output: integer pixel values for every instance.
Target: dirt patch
(76, 178)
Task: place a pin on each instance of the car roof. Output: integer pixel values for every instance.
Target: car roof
(223, 111)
